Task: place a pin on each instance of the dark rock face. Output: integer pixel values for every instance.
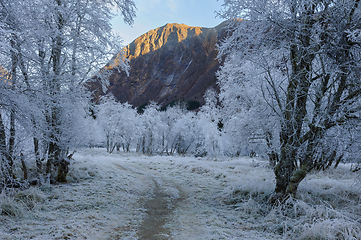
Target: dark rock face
(171, 63)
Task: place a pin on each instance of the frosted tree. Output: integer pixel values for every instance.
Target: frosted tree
(314, 87)
(191, 137)
(108, 114)
(52, 47)
(210, 120)
(14, 107)
(183, 131)
(128, 127)
(249, 124)
(119, 122)
(152, 131)
(171, 132)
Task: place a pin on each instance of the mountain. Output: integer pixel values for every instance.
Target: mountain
(172, 63)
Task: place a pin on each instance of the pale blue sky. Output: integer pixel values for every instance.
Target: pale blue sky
(152, 14)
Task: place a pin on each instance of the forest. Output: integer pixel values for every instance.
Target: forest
(289, 93)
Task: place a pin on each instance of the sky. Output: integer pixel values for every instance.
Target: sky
(152, 14)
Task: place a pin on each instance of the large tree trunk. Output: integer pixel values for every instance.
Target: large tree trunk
(288, 174)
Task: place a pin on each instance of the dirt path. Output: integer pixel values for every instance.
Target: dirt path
(159, 208)
(182, 201)
(158, 205)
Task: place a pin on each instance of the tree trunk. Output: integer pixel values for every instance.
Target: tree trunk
(63, 170)
(12, 135)
(39, 164)
(57, 47)
(284, 169)
(288, 176)
(272, 154)
(7, 163)
(24, 168)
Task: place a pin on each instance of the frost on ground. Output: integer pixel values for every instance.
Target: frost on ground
(131, 196)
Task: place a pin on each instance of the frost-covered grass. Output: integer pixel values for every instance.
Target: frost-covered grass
(216, 199)
(328, 206)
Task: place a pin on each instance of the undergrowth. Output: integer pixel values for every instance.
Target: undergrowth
(15, 203)
(313, 216)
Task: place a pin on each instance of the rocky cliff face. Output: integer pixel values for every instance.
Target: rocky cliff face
(171, 63)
